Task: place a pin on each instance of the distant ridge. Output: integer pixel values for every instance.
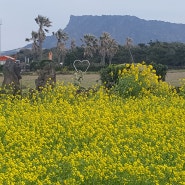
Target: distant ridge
(120, 27)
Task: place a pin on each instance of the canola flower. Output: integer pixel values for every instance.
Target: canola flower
(61, 137)
(140, 80)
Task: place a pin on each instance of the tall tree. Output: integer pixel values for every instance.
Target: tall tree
(35, 46)
(62, 37)
(107, 47)
(129, 44)
(39, 37)
(73, 45)
(112, 49)
(42, 23)
(90, 44)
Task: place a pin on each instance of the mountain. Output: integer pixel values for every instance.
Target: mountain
(120, 27)
(11, 52)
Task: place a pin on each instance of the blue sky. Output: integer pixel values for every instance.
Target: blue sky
(17, 16)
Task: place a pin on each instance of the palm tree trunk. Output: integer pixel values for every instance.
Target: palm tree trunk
(110, 60)
(63, 58)
(59, 56)
(103, 60)
(40, 50)
(132, 59)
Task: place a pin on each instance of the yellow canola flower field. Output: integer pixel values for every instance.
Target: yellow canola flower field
(60, 137)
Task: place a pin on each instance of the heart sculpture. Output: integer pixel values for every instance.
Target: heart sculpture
(77, 63)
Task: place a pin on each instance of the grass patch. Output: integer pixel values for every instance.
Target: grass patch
(28, 81)
(89, 79)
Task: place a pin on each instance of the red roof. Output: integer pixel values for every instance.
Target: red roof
(4, 58)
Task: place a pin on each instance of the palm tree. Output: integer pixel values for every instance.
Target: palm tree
(112, 49)
(62, 37)
(107, 47)
(104, 46)
(129, 44)
(73, 45)
(35, 46)
(42, 23)
(90, 44)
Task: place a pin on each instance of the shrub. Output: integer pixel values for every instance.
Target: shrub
(161, 70)
(109, 75)
(34, 66)
(139, 79)
(1, 68)
(181, 88)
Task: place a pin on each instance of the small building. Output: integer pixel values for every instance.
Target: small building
(4, 58)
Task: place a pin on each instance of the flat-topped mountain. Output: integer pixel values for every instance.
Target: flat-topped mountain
(121, 27)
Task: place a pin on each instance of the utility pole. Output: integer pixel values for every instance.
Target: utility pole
(0, 35)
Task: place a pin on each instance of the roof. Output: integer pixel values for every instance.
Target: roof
(4, 58)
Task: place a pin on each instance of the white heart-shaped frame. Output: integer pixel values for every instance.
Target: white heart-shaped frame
(81, 61)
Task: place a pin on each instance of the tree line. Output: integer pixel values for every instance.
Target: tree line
(100, 51)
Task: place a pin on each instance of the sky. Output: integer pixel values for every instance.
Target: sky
(17, 17)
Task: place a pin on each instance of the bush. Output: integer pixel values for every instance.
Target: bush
(161, 70)
(138, 80)
(1, 68)
(109, 75)
(34, 66)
